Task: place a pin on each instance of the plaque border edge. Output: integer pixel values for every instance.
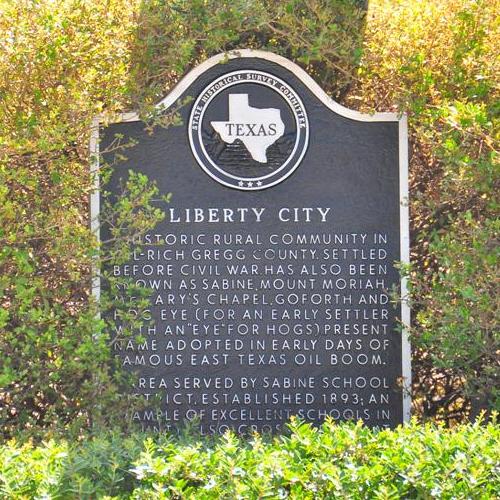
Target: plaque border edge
(184, 84)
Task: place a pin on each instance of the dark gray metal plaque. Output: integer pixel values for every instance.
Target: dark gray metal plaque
(272, 271)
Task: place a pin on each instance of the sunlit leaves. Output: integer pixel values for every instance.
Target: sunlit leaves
(346, 461)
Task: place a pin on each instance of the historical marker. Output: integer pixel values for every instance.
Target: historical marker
(272, 273)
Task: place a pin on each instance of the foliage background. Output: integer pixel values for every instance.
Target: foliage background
(63, 62)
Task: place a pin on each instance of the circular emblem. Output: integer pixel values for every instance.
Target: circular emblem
(248, 130)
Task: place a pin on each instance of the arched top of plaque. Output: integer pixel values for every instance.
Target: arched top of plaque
(297, 71)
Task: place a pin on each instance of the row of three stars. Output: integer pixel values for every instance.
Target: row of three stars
(249, 184)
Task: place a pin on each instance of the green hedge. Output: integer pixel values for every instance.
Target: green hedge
(335, 461)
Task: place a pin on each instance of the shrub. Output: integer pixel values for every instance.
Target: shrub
(438, 62)
(334, 461)
(59, 65)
